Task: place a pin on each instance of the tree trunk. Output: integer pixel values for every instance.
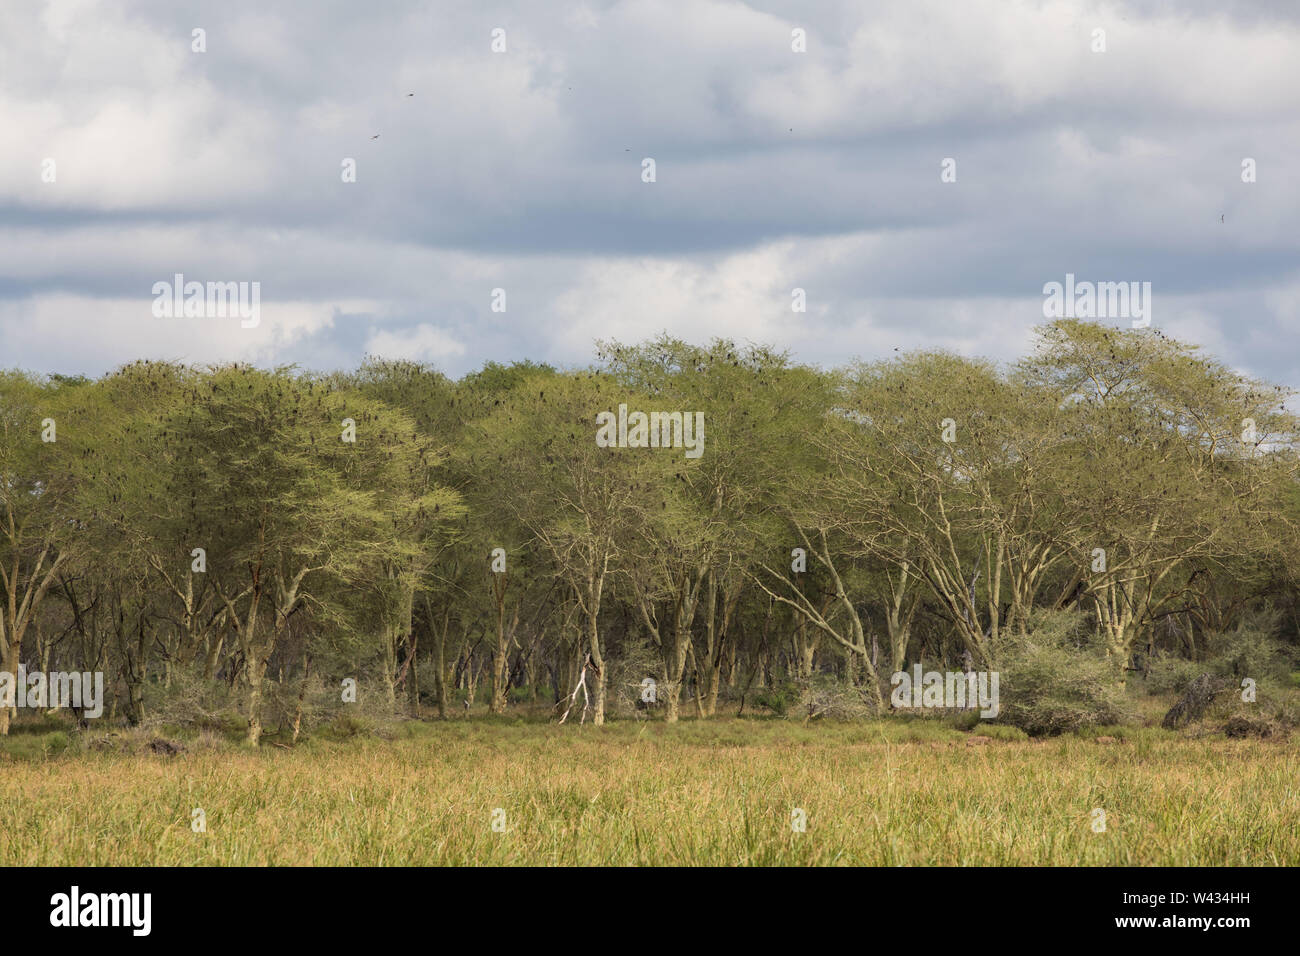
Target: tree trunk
(255, 669)
(675, 671)
(302, 697)
(440, 673)
(413, 683)
(593, 637)
(215, 642)
(501, 655)
(8, 654)
(439, 656)
(389, 664)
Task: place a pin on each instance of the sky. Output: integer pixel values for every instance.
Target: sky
(128, 156)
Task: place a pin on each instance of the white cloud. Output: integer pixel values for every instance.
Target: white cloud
(521, 171)
(424, 343)
(58, 331)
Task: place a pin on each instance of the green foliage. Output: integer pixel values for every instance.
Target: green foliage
(36, 746)
(1052, 681)
(1251, 650)
(1171, 675)
(346, 726)
(779, 698)
(947, 507)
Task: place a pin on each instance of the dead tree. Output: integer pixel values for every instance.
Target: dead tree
(581, 686)
(1200, 694)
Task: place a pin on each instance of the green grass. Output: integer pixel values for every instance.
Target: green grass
(717, 792)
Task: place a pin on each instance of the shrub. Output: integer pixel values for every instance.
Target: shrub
(1258, 725)
(1172, 675)
(1274, 703)
(192, 702)
(639, 660)
(1250, 651)
(35, 746)
(1055, 680)
(346, 726)
(967, 720)
(778, 698)
(828, 696)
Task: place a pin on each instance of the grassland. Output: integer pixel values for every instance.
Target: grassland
(722, 793)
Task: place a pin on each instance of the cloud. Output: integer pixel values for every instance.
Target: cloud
(522, 170)
(424, 343)
(73, 333)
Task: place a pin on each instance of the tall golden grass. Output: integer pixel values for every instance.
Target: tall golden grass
(720, 793)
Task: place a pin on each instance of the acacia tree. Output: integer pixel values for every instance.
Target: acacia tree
(668, 575)
(579, 502)
(1188, 465)
(420, 533)
(676, 544)
(936, 466)
(139, 522)
(45, 428)
(492, 541)
(1111, 470)
(296, 483)
(753, 400)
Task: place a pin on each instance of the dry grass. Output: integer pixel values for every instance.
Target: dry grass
(695, 793)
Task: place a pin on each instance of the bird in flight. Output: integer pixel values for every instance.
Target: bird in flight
(410, 94)
(1220, 217)
(376, 136)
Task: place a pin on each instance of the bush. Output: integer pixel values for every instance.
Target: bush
(1055, 680)
(1172, 675)
(1257, 725)
(1274, 703)
(967, 720)
(1250, 651)
(192, 702)
(347, 726)
(36, 746)
(779, 698)
(828, 696)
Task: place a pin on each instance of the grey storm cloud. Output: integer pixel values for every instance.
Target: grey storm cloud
(522, 171)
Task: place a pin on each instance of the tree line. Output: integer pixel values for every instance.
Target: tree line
(230, 534)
